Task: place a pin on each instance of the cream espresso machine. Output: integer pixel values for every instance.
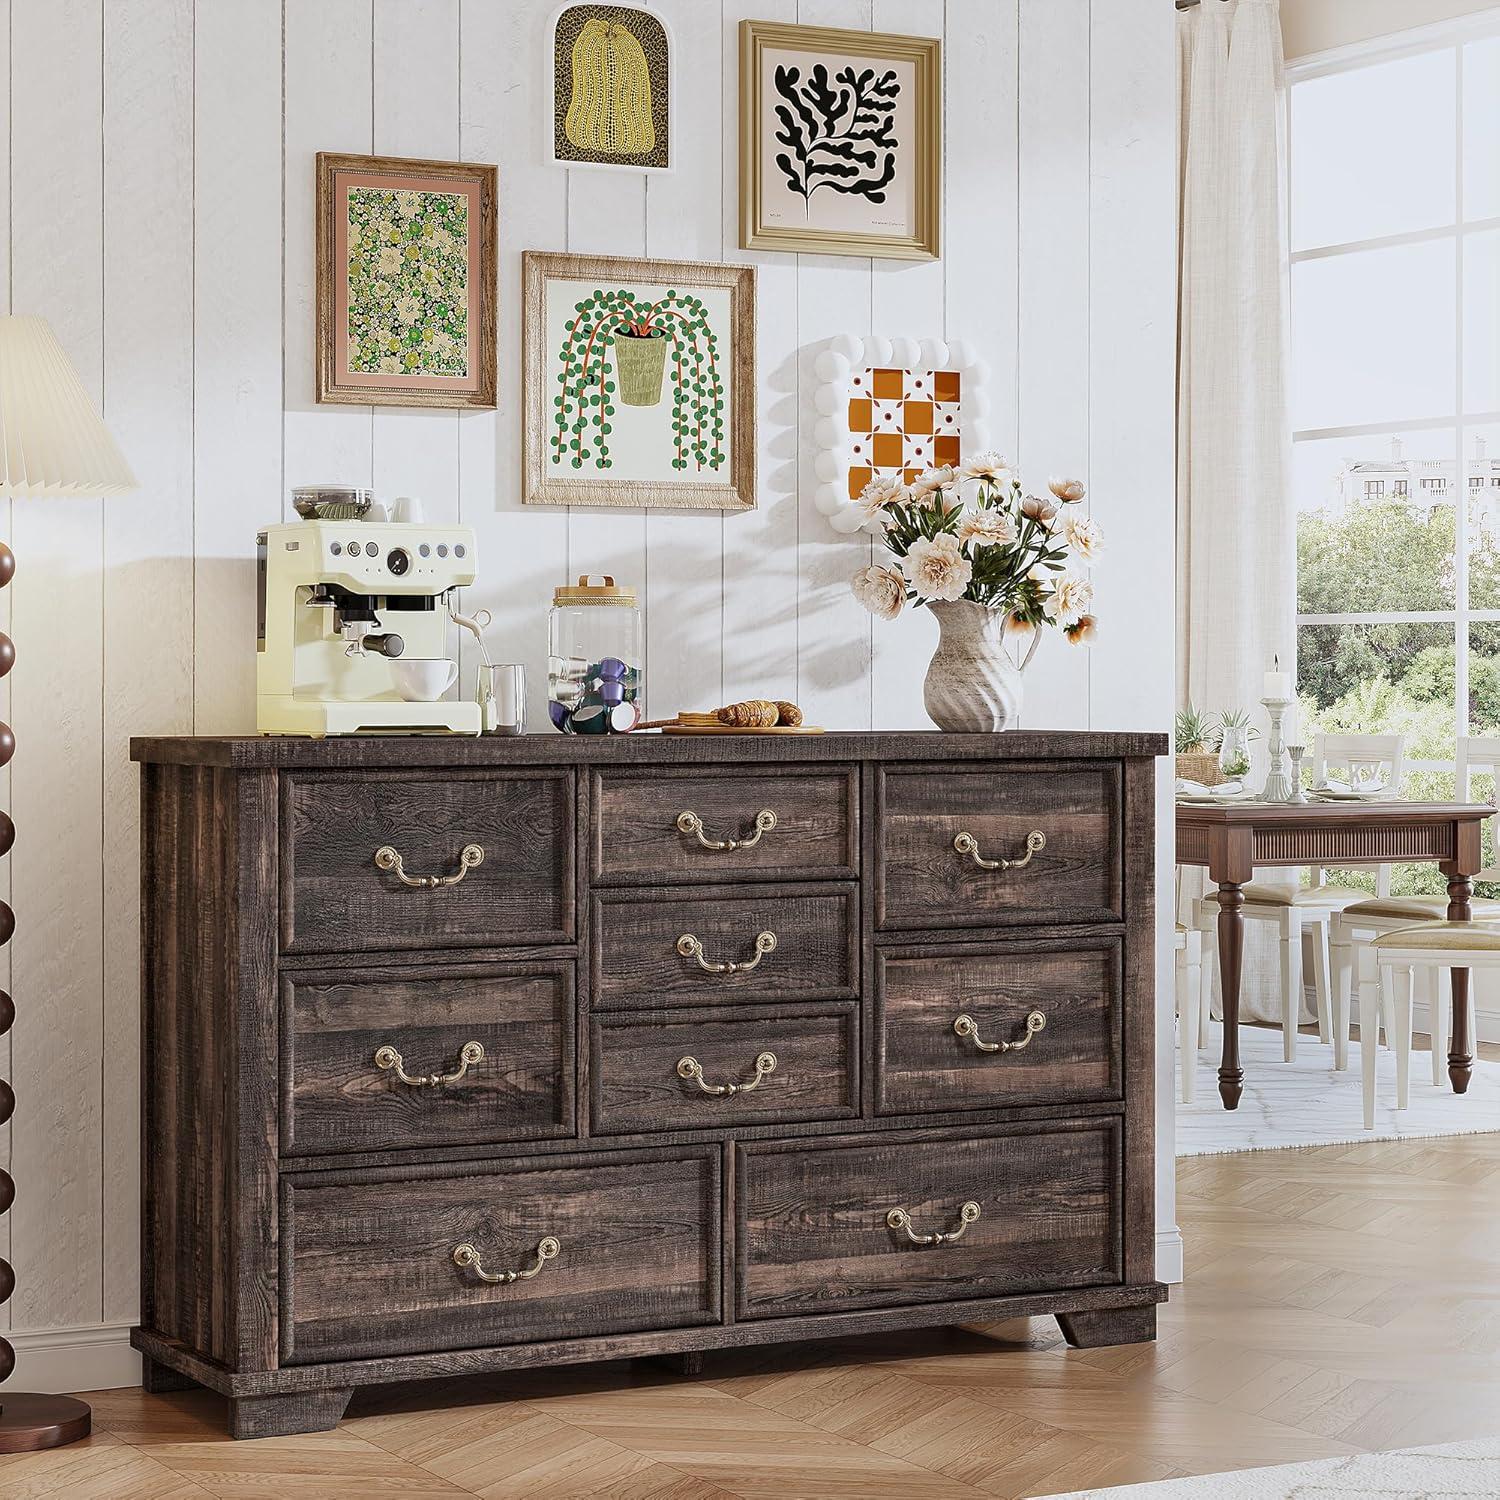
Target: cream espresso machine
(355, 613)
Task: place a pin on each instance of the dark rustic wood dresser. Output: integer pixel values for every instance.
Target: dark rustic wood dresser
(469, 1054)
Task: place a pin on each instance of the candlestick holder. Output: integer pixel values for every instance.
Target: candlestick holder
(1278, 787)
(1296, 752)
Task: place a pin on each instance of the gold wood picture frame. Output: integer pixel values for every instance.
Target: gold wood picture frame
(841, 141)
(639, 381)
(407, 281)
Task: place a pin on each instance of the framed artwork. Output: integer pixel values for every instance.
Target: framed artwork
(891, 409)
(406, 281)
(611, 88)
(840, 141)
(640, 382)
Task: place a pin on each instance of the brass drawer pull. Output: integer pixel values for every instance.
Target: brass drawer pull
(966, 1026)
(690, 1067)
(472, 1052)
(387, 859)
(690, 822)
(898, 1218)
(966, 843)
(689, 947)
(466, 1258)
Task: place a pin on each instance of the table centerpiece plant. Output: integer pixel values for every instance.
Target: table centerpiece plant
(995, 565)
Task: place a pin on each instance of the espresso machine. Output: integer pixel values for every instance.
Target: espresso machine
(354, 620)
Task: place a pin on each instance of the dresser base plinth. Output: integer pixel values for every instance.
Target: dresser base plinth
(282, 1416)
(1116, 1325)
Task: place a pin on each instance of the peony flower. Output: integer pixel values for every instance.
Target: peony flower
(936, 568)
(1038, 508)
(927, 488)
(878, 494)
(1083, 631)
(1083, 535)
(1066, 489)
(882, 591)
(1069, 600)
(1017, 625)
(990, 465)
(986, 528)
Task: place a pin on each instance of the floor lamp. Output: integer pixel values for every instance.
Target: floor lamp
(53, 445)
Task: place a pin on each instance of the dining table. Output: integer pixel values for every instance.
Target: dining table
(1232, 839)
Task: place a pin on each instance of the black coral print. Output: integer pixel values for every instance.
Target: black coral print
(838, 135)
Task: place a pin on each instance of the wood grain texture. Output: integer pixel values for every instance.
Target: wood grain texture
(923, 881)
(335, 1098)
(334, 897)
(922, 1064)
(369, 1270)
(635, 962)
(636, 839)
(636, 1087)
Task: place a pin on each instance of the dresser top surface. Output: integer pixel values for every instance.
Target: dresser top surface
(276, 752)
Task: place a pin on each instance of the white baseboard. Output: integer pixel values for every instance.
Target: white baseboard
(1169, 1258)
(1486, 1022)
(53, 1360)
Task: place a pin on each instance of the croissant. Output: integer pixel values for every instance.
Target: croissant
(788, 714)
(756, 713)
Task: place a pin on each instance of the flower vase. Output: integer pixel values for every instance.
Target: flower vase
(973, 683)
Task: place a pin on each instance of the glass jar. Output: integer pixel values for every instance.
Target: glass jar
(594, 658)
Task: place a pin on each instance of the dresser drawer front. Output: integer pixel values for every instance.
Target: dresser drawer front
(924, 881)
(638, 837)
(335, 898)
(813, 1232)
(928, 1058)
(637, 961)
(368, 1265)
(342, 1089)
(640, 1080)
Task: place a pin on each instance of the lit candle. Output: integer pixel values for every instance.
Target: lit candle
(1278, 683)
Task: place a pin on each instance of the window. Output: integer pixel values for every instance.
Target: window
(1395, 239)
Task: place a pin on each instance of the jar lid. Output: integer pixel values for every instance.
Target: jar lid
(585, 592)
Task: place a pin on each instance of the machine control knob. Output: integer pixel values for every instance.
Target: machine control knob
(399, 561)
(388, 644)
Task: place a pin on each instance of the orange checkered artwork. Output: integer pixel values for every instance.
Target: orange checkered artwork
(902, 422)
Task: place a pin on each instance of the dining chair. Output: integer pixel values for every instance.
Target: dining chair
(1298, 909)
(1189, 948)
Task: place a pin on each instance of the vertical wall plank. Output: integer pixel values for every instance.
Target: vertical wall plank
(523, 550)
(416, 114)
(7, 507)
(329, 107)
(148, 536)
(238, 483)
(57, 272)
(685, 220)
(1054, 224)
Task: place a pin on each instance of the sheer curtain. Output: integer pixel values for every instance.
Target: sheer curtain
(1236, 549)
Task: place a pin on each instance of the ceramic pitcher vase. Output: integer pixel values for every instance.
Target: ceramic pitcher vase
(973, 683)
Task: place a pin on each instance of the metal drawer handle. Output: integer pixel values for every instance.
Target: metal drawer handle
(966, 843)
(690, 822)
(898, 1218)
(690, 1067)
(472, 1052)
(469, 856)
(466, 1257)
(966, 1026)
(689, 947)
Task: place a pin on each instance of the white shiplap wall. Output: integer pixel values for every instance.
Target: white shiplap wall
(158, 207)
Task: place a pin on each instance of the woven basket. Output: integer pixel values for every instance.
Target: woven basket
(1202, 767)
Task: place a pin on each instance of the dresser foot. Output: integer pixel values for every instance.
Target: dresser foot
(157, 1379)
(281, 1416)
(689, 1362)
(1116, 1325)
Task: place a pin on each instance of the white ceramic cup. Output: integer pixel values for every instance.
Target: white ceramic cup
(420, 680)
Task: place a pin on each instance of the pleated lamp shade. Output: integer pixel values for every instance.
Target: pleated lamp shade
(52, 440)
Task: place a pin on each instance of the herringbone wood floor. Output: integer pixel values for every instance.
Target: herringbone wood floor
(1340, 1299)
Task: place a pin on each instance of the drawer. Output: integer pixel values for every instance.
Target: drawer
(369, 1270)
(829, 1228)
(923, 880)
(335, 898)
(638, 835)
(638, 1081)
(335, 1029)
(928, 1058)
(656, 948)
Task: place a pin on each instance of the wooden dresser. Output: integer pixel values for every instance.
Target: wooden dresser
(468, 1054)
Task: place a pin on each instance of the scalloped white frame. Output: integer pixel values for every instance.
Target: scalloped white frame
(835, 365)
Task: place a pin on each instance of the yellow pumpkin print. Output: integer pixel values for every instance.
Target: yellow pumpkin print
(610, 108)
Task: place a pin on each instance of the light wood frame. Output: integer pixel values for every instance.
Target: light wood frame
(538, 488)
(335, 386)
(926, 53)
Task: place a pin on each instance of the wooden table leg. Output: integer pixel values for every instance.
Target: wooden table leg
(1231, 948)
(1460, 1057)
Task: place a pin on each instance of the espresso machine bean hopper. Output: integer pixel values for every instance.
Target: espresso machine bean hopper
(355, 618)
